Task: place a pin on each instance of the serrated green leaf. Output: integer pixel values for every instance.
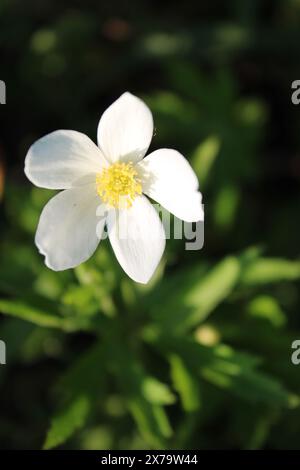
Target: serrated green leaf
(79, 388)
(67, 422)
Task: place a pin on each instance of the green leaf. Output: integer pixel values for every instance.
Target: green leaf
(157, 392)
(67, 422)
(196, 296)
(204, 156)
(33, 314)
(267, 308)
(42, 312)
(229, 370)
(151, 421)
(185, 384)
(270, 270)
(226, 204)
(79, 389)
(136, 385)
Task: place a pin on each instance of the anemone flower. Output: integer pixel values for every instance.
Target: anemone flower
(116, 177)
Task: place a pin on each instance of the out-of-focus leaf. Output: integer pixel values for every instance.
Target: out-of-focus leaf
(80, 387)
(226, 205)
(22, 271)
(29, 209)
(34, 315)
(46, 313)
(146, 410)
(185, 383)
(203, 158)
(269, 270)
(263, 423)
(96, 284)
(251, 112)
(171, 111)
(229, 370)
(81, 299)
(49, 284)
(157, 392)
(250, 385)
(186, 79)
(18, 267)
(97, 438)
(267, 308)
(196, 298)
(151, 420)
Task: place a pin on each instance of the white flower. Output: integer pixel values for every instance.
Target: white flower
(115, 174)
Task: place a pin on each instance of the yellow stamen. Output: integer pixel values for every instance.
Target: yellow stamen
(118, 185)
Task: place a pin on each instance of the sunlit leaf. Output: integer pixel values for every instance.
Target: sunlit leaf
(266, 307)
(33, 314)
(203, 158)
(197, 296)
(157, 392)
(185, 383)
(67, 422)
(269, 270)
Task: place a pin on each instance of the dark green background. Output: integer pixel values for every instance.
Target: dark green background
(201, 357)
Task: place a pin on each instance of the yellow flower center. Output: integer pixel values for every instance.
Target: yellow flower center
(118, 185)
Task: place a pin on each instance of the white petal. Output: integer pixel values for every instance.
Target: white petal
(60, 159)
(67, 230)
(138, 238)
(168, 178)
(125, 129)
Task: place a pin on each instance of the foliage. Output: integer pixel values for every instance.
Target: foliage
(200, 357)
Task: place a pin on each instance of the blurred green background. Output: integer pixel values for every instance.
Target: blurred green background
(200, 357)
